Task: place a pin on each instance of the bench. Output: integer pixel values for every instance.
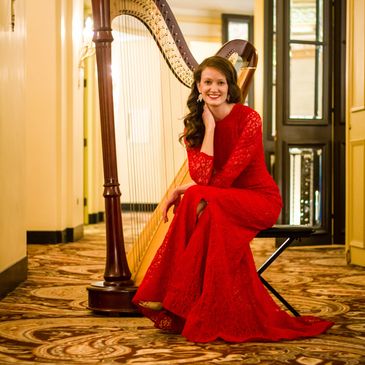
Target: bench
(290, 233)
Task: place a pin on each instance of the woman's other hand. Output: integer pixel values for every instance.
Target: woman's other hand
(173, 199)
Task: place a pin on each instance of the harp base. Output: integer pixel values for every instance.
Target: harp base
(111, 299)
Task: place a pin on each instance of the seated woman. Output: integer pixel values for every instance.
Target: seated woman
(203, 281)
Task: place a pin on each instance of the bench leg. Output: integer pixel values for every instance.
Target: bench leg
(282, 300)
(274, 256)
(267, 263)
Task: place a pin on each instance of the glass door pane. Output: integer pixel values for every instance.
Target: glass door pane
(306, 80)
(305, 192)
(306, 20)
(305, 52)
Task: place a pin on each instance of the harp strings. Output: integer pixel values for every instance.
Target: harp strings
(145, 114)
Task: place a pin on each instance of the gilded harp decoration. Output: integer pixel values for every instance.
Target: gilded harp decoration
(115, 293)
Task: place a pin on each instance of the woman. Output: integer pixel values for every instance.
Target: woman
(203, 281)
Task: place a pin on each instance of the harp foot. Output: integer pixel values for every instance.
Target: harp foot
(155, 306)
(106, 299)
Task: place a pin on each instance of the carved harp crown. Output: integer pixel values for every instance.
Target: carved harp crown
(157, 16)
(114, 294)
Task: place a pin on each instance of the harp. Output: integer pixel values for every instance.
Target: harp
(121, 276)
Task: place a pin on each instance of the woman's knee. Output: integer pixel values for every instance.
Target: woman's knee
(200, 208)
(197, 196)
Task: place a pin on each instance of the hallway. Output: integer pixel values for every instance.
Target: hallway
(45, 320)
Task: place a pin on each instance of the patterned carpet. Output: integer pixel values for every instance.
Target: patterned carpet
(45, 320)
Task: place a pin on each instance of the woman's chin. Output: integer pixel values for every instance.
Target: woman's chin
(214, 103)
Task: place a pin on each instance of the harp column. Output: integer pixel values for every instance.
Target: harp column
(115, 293)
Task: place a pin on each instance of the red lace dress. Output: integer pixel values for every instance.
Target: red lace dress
(204, 273)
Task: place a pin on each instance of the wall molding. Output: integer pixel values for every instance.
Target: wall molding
(13, 276)
(355, 193)
(356, 109)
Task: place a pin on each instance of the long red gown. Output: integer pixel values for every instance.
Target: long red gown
(204, 273)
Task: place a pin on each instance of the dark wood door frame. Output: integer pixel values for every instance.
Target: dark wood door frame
(339, 120)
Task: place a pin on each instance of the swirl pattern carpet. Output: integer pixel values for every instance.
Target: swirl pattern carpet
(46, 320)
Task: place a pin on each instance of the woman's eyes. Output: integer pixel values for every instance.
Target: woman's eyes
(209, 82)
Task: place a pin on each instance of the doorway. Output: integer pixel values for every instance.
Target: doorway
(304, 117)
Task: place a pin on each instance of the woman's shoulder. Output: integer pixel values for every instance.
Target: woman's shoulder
(246, 111)
(248, 121)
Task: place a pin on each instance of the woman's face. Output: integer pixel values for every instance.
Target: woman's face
(213, 86)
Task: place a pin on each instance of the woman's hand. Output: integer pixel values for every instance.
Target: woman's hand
(173, 199)
(208, 118)
(208, 140)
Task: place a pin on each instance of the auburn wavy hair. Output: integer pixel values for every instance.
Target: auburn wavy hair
(193, 122)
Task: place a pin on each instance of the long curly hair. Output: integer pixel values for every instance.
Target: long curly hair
(193, 122)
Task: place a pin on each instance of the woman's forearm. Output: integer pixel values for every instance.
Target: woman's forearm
(209, 124)
(208, 142)
(182, 188)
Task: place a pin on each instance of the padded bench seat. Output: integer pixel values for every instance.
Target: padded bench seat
(290, 233)
(287, 230)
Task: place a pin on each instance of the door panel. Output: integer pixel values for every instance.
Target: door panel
(355, 108)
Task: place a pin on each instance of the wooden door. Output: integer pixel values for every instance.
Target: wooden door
(355, 136)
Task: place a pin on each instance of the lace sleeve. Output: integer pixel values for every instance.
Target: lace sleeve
(249, 140)
(200, 166)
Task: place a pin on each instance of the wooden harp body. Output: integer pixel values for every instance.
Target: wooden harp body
(121, 276)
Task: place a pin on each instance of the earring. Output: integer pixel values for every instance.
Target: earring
(200, 98)
(228, 97)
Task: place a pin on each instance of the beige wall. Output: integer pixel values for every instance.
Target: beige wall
(12, 135)
(54, 115)
(41, 129)
(93, 162)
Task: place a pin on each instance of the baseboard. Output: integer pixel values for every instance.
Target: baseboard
(13, 276)
(96, 218)
(138, 207)
(67, 235)
(75, 234)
